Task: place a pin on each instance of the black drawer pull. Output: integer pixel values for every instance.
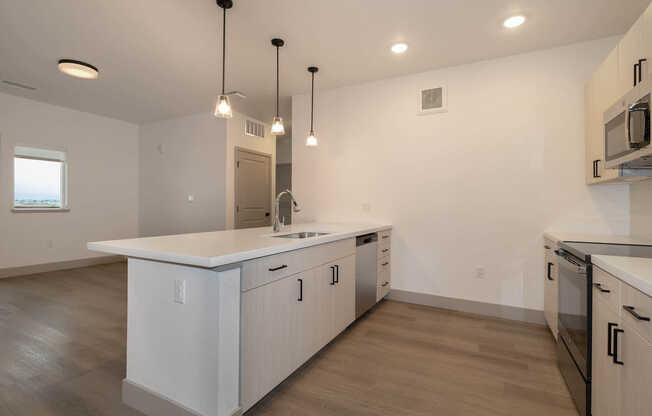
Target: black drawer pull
(385, 284)
(385, 264)
(638, 317)
(546, 247)
(332, 275)
(385, 250)
(385, 236)
(610, 326)
(600, 288)
(278, 268)
(300, 290)
(616, 332)
(337, 273)
(549, 270)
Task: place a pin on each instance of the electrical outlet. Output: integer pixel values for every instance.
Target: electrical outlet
(479, 272)
(180, 291)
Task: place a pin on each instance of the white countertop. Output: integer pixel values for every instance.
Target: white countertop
(596, 238)
(218, 248)
(635, 271)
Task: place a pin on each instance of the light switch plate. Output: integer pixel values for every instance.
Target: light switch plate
(180, 291)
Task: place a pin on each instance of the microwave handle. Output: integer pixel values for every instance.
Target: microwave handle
(635, 108)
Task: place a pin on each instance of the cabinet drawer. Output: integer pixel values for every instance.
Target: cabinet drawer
(263, 270)
(384, 271)
(382, 291)
(608, 290)
(384, 243)
(642, 304)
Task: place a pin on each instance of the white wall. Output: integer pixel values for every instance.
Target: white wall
(237, 138)
(476, 186)
(191, 161)
(641, 209)
(102, 182)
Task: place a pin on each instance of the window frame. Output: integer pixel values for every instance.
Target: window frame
(64, 177)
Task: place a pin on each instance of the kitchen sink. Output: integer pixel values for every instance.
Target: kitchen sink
(305, 234)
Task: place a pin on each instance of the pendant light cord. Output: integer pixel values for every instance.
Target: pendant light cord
(223, 49)
(277, 84)
(312, 103)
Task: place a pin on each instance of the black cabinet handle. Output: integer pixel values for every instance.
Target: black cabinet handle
(600, 288)
(610, 326)
(596, 169)
(385, 264)
(616, 332)
(385, 250)
(385, 284)
(278, 268)
(332, 275)
(635, 77)
(300, 290)
(337, 273)
(267, 214)
(385, 236)
(550, 267)
(546, 247)
(640, 69)
(638, 317)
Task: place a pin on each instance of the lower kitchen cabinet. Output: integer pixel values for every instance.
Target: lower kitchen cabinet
(622, 358)
(550, 301)
(286, 321)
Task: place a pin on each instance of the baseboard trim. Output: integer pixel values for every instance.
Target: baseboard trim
(153, 404)
(481, 308)
(61, 265)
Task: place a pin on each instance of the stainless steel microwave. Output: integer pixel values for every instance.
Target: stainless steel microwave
(627, 129)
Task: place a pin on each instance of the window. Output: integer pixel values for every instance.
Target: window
(39, 179)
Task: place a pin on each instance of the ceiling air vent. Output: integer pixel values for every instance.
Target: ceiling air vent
(432, 100)
(254, 128)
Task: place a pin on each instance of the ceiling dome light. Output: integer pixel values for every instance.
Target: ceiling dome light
(78, 69)
(399, 47)
(514, 21)
(311, 140)
(223, 106)
(277, 123)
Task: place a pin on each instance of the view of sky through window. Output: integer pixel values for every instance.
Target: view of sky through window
(37, 183)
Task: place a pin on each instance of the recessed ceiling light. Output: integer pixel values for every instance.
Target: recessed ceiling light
(514, 21)
(78, 69)
(399, 47)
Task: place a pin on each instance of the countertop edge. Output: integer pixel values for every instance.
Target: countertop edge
(232, 258)
(622, 274)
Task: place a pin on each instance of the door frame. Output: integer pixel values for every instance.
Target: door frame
(236, 185)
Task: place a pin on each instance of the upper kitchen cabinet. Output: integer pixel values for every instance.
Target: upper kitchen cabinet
(632, 49)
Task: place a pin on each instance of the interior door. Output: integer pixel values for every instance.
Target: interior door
(253, 187)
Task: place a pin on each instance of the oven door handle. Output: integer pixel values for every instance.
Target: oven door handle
(570, 263)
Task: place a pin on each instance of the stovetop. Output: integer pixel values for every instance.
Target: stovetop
(584, 251)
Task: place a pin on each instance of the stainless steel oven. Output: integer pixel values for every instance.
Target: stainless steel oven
(574, 322)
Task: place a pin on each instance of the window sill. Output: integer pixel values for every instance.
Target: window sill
(15, 209)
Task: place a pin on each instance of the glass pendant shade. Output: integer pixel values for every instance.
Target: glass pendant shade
(311, 140)
(277, 127)
(223, 107)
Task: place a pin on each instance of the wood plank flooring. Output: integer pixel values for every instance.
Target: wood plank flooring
(62, 352)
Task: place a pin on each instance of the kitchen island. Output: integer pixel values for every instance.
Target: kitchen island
(218, 319)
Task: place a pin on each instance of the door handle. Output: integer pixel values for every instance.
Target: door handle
(616, 332)
(332, 275)
(337, 273)
(550, 267)
(300, 290)
(610, 326)
(638, 317)
(600, 288)
(274, 269)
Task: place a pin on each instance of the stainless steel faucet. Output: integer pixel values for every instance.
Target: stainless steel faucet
(295, 208)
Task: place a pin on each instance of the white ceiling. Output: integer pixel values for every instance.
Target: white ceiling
(159, 58)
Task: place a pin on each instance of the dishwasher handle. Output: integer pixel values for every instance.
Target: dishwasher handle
(366, 239)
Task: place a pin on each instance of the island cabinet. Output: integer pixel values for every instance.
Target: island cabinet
(286, 319)
(622, 348)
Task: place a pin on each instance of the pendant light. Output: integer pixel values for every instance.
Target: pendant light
(223, 106)
(277, 124)
(311, 140)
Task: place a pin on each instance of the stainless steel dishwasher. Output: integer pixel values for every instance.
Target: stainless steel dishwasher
(366, 273)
